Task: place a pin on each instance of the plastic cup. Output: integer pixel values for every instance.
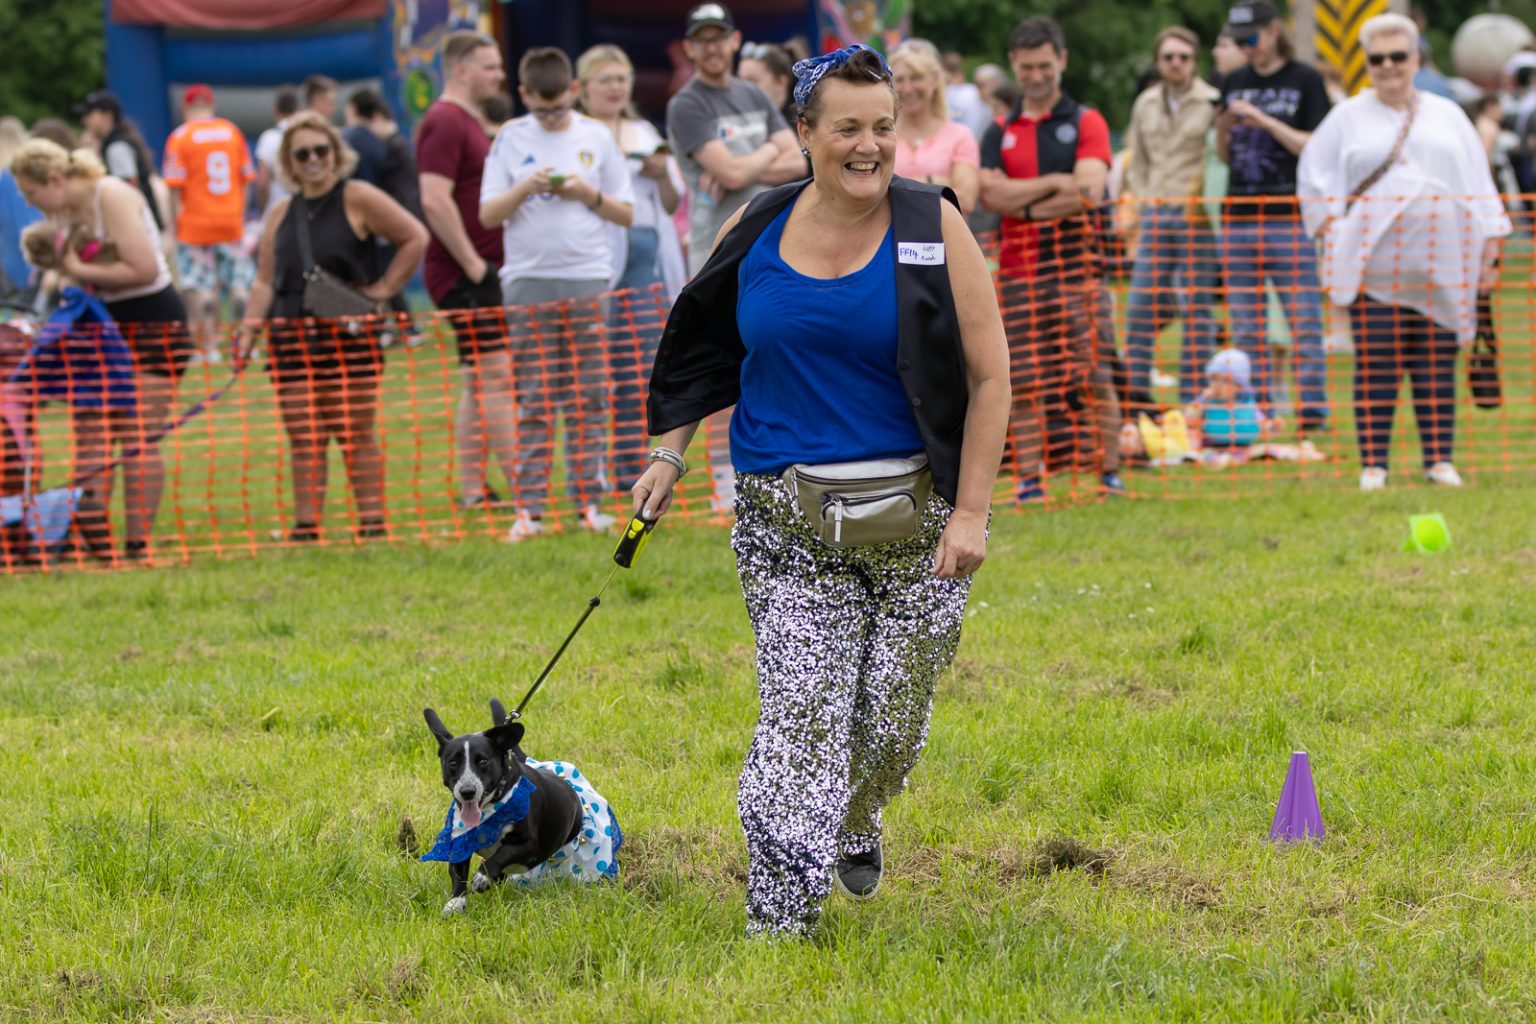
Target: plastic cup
(1428, 534)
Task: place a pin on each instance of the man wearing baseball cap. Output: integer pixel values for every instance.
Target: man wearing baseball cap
(207, 165)
(731, 143)
(122, 149)
(730, 140)
(1269, 109)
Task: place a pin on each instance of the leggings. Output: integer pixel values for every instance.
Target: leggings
(850, 644)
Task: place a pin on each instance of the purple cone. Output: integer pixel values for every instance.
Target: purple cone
(1297, 816)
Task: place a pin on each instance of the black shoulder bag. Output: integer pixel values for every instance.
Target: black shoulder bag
(1483, 359)
(327, 296)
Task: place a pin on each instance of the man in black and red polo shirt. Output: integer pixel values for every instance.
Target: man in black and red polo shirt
(1045, 170)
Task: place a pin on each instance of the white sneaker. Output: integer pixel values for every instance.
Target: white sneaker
(1373, 478)
(1444, 474)
(526, 526)
(596, 520)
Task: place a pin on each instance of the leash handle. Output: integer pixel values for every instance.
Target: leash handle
(636, 535)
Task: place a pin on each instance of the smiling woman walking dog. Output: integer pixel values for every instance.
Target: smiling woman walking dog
(864, 459)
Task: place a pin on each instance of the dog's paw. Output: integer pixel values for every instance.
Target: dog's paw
(481, 882)
(455, 906)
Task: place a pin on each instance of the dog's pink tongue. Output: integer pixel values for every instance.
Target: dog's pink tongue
(470, 813)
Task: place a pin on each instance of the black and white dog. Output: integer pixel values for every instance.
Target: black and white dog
(526, 819)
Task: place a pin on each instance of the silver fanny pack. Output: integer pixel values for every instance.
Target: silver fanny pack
(852, 504)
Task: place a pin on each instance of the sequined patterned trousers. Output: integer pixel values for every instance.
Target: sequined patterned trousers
(850, 645)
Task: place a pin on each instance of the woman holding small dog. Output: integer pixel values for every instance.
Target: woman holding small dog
(130, 275)
(865, 459)
(327, 369)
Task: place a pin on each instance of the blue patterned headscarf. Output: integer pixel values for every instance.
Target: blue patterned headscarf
(809, 72)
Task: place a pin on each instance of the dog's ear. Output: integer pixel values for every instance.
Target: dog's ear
(506, 735)
(498, 713)
(438, 728)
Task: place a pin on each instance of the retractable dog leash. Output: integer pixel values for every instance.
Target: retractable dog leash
(636, 534)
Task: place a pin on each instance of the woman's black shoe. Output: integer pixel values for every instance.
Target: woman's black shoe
(303, 533)
(858, 874)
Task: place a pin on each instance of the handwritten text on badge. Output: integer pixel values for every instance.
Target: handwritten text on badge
(923, 254)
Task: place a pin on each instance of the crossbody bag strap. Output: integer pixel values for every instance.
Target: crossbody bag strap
(306, 247)
(1397, 151)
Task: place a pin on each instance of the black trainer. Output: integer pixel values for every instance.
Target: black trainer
(857, 875)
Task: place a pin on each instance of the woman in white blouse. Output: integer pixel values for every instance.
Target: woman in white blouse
(1397, 184)
(647, 254)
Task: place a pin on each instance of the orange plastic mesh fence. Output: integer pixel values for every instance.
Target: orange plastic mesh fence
(446, 425)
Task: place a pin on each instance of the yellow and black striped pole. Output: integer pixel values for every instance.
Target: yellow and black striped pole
(1338, 36)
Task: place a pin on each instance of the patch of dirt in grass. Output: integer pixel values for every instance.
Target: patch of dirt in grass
(1171, 882)
(1136, 691)
(1062, 853)
(661, 853)
(195, 650)
(977, 680)
(77, 980)
(405, 839)
(921, 863)
(1395, 572)
(374, 632)
(405, 979)
(211, 1015)
(1010, 864)
(130, 652)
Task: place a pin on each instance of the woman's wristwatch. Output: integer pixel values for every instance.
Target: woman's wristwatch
(671, 458)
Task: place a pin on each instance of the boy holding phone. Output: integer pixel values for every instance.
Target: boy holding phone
(555, 180)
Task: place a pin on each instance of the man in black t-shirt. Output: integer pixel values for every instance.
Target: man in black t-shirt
(1269, 111)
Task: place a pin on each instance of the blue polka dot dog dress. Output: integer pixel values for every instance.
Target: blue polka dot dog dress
(593, 856)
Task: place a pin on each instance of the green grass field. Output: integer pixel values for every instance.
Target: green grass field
(204, 773)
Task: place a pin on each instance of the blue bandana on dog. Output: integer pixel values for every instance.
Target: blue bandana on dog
(592, 856)
(809, 72)
(457, 840)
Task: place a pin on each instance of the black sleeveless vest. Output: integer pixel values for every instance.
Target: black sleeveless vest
(698, 363)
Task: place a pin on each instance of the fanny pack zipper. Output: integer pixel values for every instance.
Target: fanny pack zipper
(841, 501)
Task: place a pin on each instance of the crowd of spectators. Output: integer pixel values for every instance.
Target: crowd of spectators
(1241, 206)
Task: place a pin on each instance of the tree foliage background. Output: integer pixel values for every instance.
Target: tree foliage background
(51, 53)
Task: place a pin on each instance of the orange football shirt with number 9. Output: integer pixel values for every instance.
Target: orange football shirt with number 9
(209, 165)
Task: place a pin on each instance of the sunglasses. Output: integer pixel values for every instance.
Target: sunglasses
(756, 51)
(1176, 57)
(1376, 60)
(320, 152)
(1248, 42)
(550, 113)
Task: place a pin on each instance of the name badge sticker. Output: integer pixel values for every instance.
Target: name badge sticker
(922, 254)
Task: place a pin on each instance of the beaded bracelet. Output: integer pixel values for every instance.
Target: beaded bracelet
(671, 458)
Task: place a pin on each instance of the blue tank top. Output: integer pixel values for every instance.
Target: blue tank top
(819, 382)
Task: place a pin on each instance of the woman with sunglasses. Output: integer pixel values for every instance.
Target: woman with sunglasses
(327, 371)
(1175, 264)
(1396, 181)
